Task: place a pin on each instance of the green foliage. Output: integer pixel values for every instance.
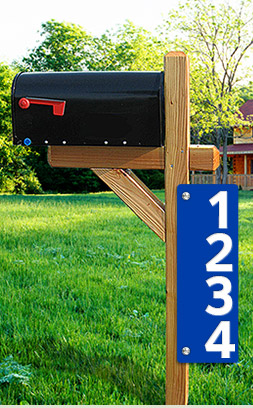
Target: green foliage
(154, 179)
(246, 92)
(70, 180)
(12, 372)
(63, 48)
(82, 299)
(67, 47)
(59, 180)
(217, 37)
(15, 175)
(129, 48)
(211, 107)
(6, 78)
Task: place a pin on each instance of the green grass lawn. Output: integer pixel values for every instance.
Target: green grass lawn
(82, 302)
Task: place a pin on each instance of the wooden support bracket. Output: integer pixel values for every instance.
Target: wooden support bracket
(136, 195)
(204, 157)
(106, 157)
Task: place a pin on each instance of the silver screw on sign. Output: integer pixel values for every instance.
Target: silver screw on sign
(186, 351)
(186, 196)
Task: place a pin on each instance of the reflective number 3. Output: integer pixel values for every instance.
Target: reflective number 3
(220, 294)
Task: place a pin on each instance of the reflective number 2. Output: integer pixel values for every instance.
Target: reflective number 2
(213, 265)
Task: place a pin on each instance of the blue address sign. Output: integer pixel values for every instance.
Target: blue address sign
(207, 273)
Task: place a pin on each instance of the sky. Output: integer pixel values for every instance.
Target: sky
(20, 21)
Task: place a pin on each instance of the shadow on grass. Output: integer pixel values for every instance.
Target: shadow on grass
(121, 371)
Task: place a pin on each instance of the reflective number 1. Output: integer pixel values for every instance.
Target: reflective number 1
(222, 199)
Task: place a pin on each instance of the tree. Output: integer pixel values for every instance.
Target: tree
(67, 47)
(246, 92)
(217, 37)
(6, 78)
(64, 48)
(15, 174)
(129, 48)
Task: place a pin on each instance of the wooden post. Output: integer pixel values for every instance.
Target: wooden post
(177, 139)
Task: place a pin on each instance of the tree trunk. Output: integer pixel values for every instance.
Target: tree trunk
(225, 156)
(217, 143)
(218, 175)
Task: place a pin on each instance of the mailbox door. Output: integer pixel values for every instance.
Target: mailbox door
(88, 108)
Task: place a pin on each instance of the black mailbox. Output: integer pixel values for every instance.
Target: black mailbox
(88, 108)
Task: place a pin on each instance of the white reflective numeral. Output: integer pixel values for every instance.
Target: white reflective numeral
(224, 347)
(213, 265)
(222, 199)
(220, 294)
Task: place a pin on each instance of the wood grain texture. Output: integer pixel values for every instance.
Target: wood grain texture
(136, 195)
(106, 157)
(204, 157)
(201, 157)
(177, 138)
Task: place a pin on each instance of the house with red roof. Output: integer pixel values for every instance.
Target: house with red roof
(241, 151)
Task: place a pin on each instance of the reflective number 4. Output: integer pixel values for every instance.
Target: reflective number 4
(224, 347)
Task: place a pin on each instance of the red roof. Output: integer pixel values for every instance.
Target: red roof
(247, 109)
(244, 148)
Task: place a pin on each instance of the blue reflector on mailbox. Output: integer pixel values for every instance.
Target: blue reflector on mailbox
(207, 273)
